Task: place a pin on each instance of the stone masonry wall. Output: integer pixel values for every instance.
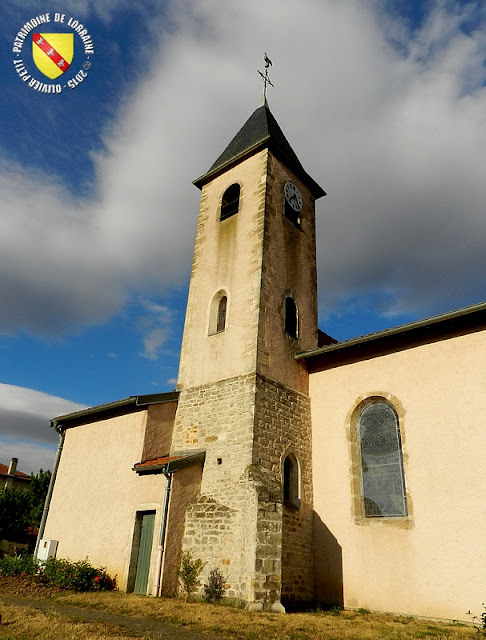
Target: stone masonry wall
(238, 523)
(283, 424)
(220, 523)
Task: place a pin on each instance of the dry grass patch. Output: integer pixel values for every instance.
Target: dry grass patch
(244, 625)
(221, 620)
(20, 623)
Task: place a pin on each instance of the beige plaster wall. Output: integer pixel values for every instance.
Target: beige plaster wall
(96, 494)
(432, 562)
(227, 255)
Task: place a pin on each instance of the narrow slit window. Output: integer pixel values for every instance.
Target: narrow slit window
(221, 322)
(291, 480)
(383, 483)
(230, 202)
(291, 318)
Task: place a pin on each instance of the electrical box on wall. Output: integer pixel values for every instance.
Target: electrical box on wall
(47, 549)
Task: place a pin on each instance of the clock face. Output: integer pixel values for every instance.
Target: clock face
(293, 197)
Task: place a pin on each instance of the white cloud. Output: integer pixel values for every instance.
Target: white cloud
(155, 325)
(31, 456)
(396, 138)
(36, 403)
(25, 432)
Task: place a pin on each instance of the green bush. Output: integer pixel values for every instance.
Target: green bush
(214, 590)
(189, 571)
(78, 576)
(20, 565)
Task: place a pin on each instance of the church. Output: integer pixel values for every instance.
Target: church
(306, 470)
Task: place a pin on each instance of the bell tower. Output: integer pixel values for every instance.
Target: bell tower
(252, 306)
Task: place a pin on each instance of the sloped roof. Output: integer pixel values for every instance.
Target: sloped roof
(170, 464)
(18, 474)
(466, 319)
(84, 415)
(259, 131)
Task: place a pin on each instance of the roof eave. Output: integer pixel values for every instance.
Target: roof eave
(395, 331)
(317, 190)
(137, 401)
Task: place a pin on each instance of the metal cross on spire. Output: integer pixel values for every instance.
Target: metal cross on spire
(266, 79)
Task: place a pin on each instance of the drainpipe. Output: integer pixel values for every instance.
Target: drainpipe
(42, 526)
(163, 530)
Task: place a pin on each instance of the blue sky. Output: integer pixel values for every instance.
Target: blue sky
(383, 101)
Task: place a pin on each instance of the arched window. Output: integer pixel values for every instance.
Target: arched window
(383, 484)
(230, 202)
(291, 480)
(218, 312)
(291, 318)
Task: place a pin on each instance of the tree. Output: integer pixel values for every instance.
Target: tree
(21, 508)
(14, 513)
(37, 491)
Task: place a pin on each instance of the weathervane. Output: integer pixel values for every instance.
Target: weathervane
(266, 79)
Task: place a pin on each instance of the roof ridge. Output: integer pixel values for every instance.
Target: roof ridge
(260, 130)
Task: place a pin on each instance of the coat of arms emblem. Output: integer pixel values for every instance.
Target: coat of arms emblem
(52, 52)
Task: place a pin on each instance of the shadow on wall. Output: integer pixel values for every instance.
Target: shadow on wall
(328, 563)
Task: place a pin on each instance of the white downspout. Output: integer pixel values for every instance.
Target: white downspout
(42, 526)
(163, 530)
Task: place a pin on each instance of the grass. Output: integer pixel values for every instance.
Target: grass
(19, 623)
(231, 622)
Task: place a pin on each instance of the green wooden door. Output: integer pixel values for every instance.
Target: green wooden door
(144, 552)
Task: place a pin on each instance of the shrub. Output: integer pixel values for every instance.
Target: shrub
(18, 565)
(78, 576)
(189, 571)
(214, 589)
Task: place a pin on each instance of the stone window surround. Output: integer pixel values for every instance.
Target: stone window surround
(351, 427)
(213, 312)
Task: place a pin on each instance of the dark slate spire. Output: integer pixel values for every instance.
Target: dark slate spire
(261, 130)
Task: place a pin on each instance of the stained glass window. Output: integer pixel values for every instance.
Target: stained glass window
(383, 483)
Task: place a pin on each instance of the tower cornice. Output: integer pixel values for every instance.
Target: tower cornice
(260, 131)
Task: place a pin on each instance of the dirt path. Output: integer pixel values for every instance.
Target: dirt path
(152, 628)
